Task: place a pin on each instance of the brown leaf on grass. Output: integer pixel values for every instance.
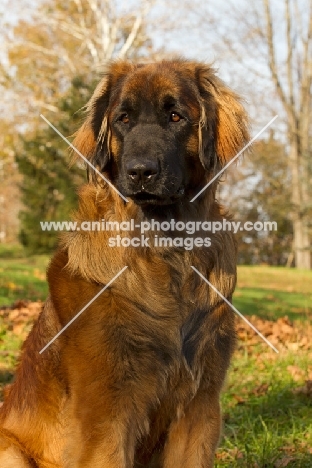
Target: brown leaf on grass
(240, 400)
(236, 454)
(19, 317)
(39, 275)
(282, 333)
(296, 372)
(20, 303)
(282, 462)
(305, 390)
(229, 455)
(221, 455)
(18, 328)
(293, 346)
(301, 447)
(287, 449)
(21, 311)
(283, 326)
(260, 390)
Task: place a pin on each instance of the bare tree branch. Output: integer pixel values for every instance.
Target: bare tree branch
(272, 61)
(289, 60)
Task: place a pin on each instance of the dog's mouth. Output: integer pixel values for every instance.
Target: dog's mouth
(147, 198)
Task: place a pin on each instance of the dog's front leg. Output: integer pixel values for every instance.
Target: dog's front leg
(193, 439)
(100, 445)
(193, 436)
(105, 425)
(100, 436)
(108, 414)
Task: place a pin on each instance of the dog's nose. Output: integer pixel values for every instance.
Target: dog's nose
(142, 171)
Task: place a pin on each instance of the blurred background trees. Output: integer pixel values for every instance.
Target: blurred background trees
(52, 62)
(49, 186)
(53, 52)
(259, 190)
(265, 49)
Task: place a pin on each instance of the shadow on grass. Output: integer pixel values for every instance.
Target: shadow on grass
(271, 304)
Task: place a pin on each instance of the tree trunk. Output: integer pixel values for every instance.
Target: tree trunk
(302, 248)
(301, 244)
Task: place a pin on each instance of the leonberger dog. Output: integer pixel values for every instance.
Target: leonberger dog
(135, 380)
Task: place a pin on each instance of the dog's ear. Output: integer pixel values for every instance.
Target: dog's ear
(223, 128)
(89, 138)
(93, 139)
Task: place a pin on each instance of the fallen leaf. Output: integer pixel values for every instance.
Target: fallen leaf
(282, 462)
(260, 390)
(305, 390)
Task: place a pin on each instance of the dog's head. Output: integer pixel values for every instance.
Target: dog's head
(160, 131)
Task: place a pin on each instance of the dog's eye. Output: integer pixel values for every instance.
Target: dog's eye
(174, 117)
(125, 118)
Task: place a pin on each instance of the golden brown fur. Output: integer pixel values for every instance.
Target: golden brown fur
(135, 380)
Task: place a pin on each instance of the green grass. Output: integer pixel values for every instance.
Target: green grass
(21, 276)
(268, 423)
(272, 292)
